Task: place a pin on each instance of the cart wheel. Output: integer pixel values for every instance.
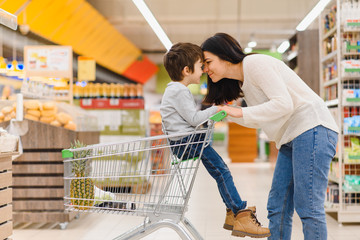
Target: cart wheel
(63, 225)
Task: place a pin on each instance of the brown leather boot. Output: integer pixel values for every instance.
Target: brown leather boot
(230, 218)
(246, 224)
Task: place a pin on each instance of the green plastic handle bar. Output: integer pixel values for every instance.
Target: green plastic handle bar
(218, 116)
(67, 154)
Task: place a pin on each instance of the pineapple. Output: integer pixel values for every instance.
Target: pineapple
(81, 187)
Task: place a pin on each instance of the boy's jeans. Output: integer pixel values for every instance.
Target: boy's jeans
(216, 167)
(300, 181)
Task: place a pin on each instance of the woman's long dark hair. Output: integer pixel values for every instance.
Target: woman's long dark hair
(226, 48)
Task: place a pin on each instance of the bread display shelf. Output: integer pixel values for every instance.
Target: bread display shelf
(6, 224)
(58, 114)
(37, 175)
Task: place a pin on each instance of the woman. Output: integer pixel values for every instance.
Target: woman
(292, 115)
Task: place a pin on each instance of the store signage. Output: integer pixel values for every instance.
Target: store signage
(86, 69)
(48, 61)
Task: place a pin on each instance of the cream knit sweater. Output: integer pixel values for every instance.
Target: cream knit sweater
(279, 101)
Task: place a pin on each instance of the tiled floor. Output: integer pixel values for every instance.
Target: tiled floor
(206, 212)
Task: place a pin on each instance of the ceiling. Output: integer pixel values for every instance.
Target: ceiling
(268, 22)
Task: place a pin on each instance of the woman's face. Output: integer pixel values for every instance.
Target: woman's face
(215, 67)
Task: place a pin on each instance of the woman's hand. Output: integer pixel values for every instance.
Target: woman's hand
(231, 111)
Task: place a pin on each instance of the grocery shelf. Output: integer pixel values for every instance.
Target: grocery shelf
(329, 33)
(332, 103)
(331, 82)
(329, 56)
(342, 66)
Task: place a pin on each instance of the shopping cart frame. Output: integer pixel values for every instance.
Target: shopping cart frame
(169, 207)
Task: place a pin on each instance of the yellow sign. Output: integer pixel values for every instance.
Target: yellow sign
(86, 69)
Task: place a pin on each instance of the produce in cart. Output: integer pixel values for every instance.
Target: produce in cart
(81, 187)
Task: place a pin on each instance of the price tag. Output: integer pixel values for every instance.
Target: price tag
(114, 102)
(86, 102)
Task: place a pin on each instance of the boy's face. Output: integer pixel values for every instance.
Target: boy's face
(195, 76)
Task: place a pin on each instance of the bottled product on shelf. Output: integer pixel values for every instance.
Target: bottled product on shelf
(107, 91)
(46, 88)
(340, 88)
(113, 95)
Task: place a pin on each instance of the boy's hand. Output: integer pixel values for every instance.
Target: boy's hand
(231, 111)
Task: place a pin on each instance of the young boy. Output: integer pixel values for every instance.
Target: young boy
(184, 62)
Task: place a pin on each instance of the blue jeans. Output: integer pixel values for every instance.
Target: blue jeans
(300, 181)
(216, 167)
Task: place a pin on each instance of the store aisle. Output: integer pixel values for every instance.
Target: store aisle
(206, 212)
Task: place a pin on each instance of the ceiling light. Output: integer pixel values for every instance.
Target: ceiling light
(145, 11)
(283, 46)
(252, 44)
(8, 19)
(248, 50)
(309, 18)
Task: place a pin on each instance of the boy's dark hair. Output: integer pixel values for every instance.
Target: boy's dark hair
(179, 56)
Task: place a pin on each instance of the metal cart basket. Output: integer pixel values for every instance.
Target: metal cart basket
(119, 178)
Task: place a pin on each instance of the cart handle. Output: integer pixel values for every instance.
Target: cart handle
(218, 116)
(67, 153)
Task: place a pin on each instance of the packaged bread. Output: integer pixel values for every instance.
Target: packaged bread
(14, 106)
(31, 117)
(55, 123)
(63, 118)
(2, 116)
(49, 106)
(7, 117)
(7, 110)
(70, 125)
(32, 104)
(48, 113)
(35, 113)
(47, 119)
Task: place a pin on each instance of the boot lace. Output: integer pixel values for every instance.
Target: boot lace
(254, 219)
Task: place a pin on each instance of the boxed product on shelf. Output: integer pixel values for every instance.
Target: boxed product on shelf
(350, 15)
(352, 125)
(352, 183)
(352, 198)
(352, 153)
(351, 95)
(332, 193)
(331, 92)
(350, 68)
(330, 72)
(329, 20)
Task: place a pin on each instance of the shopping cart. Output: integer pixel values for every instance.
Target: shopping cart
(119, 178)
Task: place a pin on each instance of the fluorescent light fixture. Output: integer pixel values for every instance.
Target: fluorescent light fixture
(248, 50)
(145, 11)
(252, 44)
(283, 46)
(8, 19)
(309, 18)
